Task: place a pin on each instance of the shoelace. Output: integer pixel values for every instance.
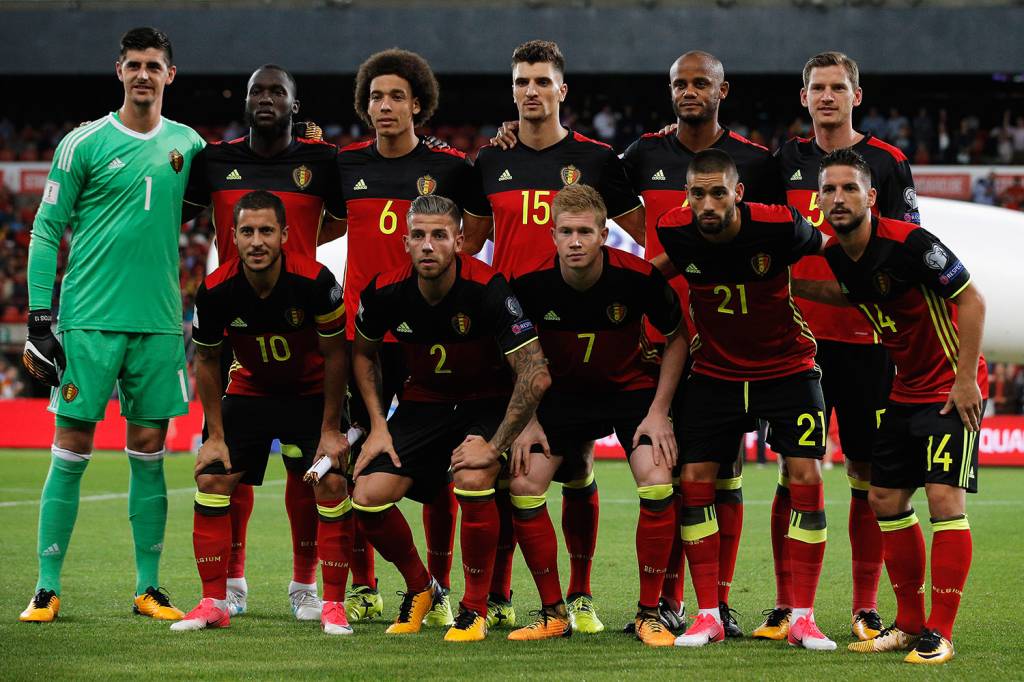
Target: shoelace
(465, 619)
(542, 619)
(727, 613)
(307, 598)
(653, 624)
(774, 616)
(930, 641)
(581, 604)
(405, 610)
(871, 619)
(159, 595)
(42, 598)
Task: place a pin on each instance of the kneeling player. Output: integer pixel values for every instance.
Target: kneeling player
(911, 287)
(455, 318)
(753, 358)
(590, 302)
(284, 317)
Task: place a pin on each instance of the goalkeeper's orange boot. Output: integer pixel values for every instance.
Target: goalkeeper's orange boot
(775, 625)
(156, 603)
(551, 622)
(415, 606)
(42, 608)
(469, 626)
(651, 631)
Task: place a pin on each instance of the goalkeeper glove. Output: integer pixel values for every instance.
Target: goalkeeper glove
(43, 356)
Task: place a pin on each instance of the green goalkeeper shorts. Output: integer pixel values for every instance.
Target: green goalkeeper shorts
(148, 370)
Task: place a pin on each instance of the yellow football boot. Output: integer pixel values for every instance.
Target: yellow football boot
(156, 603)
(931, 649)
(866, 625)
(651, 631)
(889, 639)
(469, 626)
(775, 625)
(413, 609)
(551, 622)
(42, 608)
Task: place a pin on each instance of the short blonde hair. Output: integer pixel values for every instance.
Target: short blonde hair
(832, 59)
(579, 199)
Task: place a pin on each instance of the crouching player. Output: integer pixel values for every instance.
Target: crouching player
(284, 318)
(460, 327)
(911, 288)
(589, 301)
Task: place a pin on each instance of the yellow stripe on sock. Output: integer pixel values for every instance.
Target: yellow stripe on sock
(474, 493)
(660, 491)
(735, 483)
(951, 524)
(529, 501)
(212, 499)
(372, 510)
(890, 525)
(858, 484)
(580, 482)
(341, 509)
(811, 537)
(698, 531)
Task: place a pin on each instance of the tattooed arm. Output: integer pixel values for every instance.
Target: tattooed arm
(532, 380)
(366, 371)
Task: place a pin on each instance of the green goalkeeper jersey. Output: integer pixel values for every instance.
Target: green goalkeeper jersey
(120, 192)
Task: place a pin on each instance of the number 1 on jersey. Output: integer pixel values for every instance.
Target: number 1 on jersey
(149, 192)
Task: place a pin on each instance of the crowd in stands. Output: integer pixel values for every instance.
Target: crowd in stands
(924, 139)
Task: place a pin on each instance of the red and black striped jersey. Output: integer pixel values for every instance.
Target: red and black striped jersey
(455, 349)
(304, 176)
(594, 340)
(902, 284)
(748, 326)
(657, 164)
(799, 160)
(521, 182)
(378, 191)
(274, 339)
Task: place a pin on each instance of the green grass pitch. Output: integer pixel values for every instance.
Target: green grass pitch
(97, 637)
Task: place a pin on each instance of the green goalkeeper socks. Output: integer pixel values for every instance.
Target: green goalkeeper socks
(147, 513)
(58, 509)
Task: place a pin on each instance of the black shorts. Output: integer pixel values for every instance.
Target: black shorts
(424, 436)
(715, 411)
(917, 445)
(855, 380)
(728, 442)
(251, 423)
(393, 376)
(572, 420)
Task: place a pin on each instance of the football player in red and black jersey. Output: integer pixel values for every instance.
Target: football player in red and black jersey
(303, 174)
(657, 165)
(856, 371)
(753, 358)
(919, 299)
(284, 317)
(520, 184)
(460, 328)
(396, 91)
(590, 302)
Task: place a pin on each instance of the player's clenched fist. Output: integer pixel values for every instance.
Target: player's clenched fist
(43, 356)
(335, 445)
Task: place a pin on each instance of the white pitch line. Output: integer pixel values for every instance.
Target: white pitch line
(115, 496)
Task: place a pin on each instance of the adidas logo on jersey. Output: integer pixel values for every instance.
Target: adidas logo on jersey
(660, 175)
(239, 323)
(796, 176)
(404, 328)
(552, 316)
(52, 550)
(360, 185)
(505, 176)
(116, 164)
(234, 175)
(693, 269)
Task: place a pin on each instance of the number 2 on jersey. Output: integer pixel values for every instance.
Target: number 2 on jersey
(539, 212)
(442, 356)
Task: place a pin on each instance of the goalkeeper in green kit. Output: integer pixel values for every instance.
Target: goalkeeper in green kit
(118, 183)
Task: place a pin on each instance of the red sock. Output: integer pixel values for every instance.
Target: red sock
(700, 533)
(675, 574)
(501, 580)
(334, 545)
(362, 559)
(781, 506)
(300, 502)
(536, 537)
(904, 552)
(866, 550)
(241, 509)
(951, 561)
(478, 539)
(580, 511)
(806, 541)
(439, 527)
(390, 534)
(730, 527)
(654, 532)
(211, 540)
